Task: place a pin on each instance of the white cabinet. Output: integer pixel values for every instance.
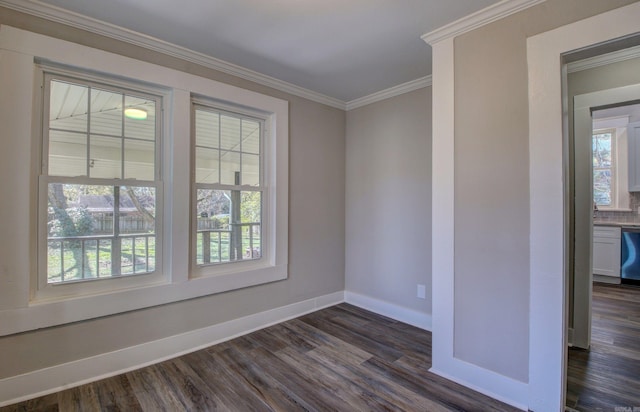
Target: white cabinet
(633, 136)
(606, 251)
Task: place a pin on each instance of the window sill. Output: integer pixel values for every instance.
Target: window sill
(73, 309)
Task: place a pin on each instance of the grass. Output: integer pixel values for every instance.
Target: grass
(219, 248)
(96, 262)
(96, 259)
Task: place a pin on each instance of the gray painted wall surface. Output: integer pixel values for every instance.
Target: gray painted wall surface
(612, 75)
(492, 185)
(388, 209)
(316, 232)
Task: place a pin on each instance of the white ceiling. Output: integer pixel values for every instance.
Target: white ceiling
(345, 49)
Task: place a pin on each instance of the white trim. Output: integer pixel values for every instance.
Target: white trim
(18, 312)
(56, 378)
(412, 317)
(493, 385)
(444, 362)
(442, 231)
(69, 18)
(79, 21)
(478, 19)
(390, 92)
(548, 311)
(604, 59)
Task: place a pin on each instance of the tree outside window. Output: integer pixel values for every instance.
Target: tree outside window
(603, 146)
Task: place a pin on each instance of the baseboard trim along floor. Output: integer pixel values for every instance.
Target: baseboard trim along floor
(67, 375)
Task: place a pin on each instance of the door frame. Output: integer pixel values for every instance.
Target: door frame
(548, 177)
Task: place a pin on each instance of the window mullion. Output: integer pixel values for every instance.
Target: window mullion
(219, 148)
(88, 133)
(116, 244)
(122, 139)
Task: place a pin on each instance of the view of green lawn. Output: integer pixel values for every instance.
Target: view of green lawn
(68, 257)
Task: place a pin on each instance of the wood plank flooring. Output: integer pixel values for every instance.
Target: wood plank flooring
(341, 358)
(608, 375)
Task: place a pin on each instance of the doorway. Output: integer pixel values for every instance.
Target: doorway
(549, 220)
(598, 181)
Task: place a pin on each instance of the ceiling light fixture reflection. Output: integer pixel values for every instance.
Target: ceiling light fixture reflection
(137, 114)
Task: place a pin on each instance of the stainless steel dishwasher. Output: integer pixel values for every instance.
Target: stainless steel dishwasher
(630, 255)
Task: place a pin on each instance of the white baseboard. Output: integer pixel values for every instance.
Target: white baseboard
(412, 317)
(614, 280)
(56, 378)
(489, 383)
(570, 333)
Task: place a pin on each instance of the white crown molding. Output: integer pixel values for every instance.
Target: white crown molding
(390, 92)
(480, 18)
(604, 59)
(59, 15)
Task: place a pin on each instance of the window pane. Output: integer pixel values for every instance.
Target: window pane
(139, 159)
(141, 123)
(602, 187)
(207, 129)
(247, 228)
(106, 112)
(250, 137)
(68, 106)
(77, 216)
(105, 157)
(126, 256)
(213, 208)
(250, 170)
(104, 258)
(207, 166)
(602, 150)
(79, 210)
(67, 153)
(228, 225)
(82, 242)
(137, 209)
(230, 168)
(230, 133)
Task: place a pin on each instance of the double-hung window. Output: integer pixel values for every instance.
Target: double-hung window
(229, 193)
(146, 185)
(100, 181)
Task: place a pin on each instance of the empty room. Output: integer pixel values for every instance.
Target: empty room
(419, 205)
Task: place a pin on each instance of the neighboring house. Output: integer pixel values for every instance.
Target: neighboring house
(100, 207)
(360, 192)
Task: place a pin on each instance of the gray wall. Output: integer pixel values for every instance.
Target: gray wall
(388, 209)
(491, 306)
(612, 75)
(316, 231)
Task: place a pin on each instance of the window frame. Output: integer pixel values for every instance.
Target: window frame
(43, 290)
(265, 163)
(20, 309)
(270, 253)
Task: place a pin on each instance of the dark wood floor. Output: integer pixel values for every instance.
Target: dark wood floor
(608, 375)
(338, 359)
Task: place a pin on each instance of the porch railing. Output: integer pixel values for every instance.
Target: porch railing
(76, 258)
(229, 245)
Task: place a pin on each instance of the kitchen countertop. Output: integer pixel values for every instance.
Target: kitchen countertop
(597, 222)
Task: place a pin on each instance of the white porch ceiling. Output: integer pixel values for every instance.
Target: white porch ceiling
(345, 49)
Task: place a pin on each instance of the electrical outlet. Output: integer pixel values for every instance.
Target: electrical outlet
(422, 292)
